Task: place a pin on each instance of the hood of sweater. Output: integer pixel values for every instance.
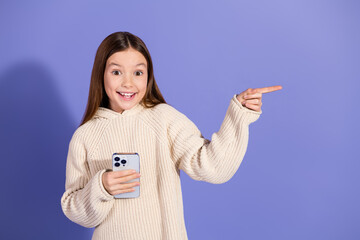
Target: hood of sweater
(109, 113)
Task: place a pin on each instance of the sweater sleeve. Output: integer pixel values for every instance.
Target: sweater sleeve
(214, 161)
(85, 201)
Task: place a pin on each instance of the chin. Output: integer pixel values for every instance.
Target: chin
(123, 107)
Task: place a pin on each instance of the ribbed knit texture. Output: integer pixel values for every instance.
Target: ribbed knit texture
(166, 141)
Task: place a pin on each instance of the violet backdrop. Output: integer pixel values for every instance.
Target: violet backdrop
(300, 175)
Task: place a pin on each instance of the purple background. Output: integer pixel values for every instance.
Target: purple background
(300, 175)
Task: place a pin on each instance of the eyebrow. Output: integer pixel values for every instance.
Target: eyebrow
(139, 64)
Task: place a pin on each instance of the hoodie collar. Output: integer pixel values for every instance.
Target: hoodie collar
(109, 113)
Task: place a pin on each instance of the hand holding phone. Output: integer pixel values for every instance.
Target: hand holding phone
(115, 182)
(123, 182)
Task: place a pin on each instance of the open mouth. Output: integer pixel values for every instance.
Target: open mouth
(126, 95)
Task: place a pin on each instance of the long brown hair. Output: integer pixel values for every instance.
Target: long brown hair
(116, 42)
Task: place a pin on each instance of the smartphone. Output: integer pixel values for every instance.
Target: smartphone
(125, 161)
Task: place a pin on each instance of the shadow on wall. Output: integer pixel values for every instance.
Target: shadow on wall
(35, 130)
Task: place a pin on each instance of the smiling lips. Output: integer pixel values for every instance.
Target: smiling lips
(127, 95)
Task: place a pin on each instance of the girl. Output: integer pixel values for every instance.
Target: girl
(126, 112)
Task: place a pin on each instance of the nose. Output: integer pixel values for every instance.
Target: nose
(127, 81)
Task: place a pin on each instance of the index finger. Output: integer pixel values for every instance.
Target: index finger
(123, 173)
(268, 89)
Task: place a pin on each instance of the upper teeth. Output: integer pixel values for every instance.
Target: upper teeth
(127, 94)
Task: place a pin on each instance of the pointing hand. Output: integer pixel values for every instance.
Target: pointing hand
(251, 98)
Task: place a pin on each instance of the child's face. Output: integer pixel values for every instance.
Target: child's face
(125, 79)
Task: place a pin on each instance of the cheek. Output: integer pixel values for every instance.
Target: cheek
(144, 85)
(108, 85)
(108, 81)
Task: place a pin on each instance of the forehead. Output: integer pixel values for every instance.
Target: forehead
(130, 57)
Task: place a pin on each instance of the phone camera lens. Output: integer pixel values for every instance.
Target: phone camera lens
(117, 158)
(117, 164)
(123, 161)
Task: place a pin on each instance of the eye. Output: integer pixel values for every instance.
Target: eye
(116, 72)
(141, 73)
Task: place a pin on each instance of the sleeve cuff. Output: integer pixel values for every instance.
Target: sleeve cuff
(250, 115)
(105, 196)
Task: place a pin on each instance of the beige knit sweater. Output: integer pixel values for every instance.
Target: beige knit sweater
(166, 141)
